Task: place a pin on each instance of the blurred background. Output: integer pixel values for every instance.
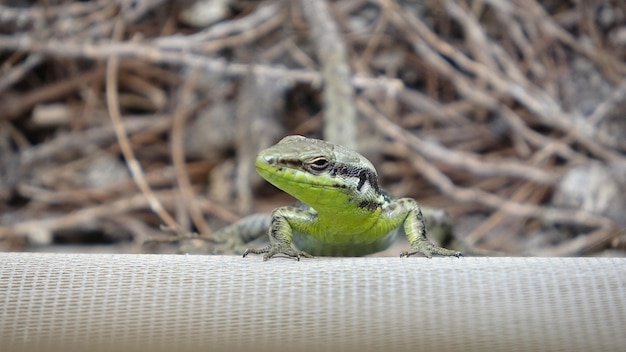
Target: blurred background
(131, 126)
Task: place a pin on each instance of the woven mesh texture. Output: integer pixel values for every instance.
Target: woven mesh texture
(170, 302)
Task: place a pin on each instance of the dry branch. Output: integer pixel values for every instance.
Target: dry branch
(339, 111)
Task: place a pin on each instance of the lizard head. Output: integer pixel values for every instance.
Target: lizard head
(316, 172)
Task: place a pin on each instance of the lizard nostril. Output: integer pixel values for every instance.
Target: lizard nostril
(269, 159)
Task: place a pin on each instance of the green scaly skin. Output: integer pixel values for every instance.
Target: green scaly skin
(349, 214)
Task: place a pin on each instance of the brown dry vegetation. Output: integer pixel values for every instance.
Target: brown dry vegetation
(117, 117)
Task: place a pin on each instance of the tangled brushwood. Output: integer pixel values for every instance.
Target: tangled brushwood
(120, 117)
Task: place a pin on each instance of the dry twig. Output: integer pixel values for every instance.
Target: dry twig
(131, 161)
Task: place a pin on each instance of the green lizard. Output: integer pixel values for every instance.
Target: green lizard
(348, 214)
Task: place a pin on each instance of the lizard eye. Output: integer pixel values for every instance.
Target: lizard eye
(319, 164)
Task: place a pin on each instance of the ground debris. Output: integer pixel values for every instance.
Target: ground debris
(508, 115)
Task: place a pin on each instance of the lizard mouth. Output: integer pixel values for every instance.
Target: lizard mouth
(282, 175)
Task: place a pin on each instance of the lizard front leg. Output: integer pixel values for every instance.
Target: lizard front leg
(283, 221)
(415, 231)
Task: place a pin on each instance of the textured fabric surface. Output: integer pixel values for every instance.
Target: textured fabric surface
(170, 302)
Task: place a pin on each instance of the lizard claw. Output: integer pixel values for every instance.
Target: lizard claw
(270, 251)
(428, 254)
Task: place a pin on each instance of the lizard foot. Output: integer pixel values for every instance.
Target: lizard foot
(428, 249)
(271, 251)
